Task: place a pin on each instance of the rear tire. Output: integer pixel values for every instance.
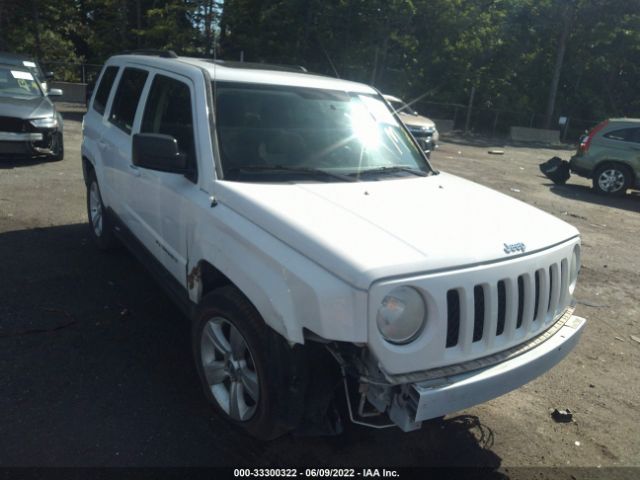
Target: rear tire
(100, 226)
(249, 374)
(612, 179)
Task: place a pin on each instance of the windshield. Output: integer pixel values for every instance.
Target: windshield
(18, 83)
(273, 131)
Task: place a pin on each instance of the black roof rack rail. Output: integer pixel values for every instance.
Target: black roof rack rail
(260, 66)
(152, 52)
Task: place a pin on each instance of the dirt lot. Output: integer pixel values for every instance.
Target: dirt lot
(95, 366)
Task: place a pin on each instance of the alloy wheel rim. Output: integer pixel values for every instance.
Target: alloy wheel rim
(229, 369)
(611, 180)
(95, 209)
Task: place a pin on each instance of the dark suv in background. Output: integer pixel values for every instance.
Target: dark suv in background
(610, 155)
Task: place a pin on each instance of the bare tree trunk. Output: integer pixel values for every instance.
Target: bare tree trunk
(124, 24)
(36, 27)
(138, 22)
(555, 79)
(374, 71)
(467, 122)
(3, 41)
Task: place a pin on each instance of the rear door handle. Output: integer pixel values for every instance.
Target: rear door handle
(102, 145)
(134, 170)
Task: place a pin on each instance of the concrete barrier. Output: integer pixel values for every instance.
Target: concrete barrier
(537, 135)
(71, 92)
(443, 126)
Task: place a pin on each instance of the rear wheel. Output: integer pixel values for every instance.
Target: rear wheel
(100, 227)
(612, 179)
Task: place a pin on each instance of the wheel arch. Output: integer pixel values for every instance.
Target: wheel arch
(87, 166)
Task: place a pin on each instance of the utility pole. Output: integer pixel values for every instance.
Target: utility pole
(567, 23)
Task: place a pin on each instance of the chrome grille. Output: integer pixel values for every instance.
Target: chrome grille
(507, 308)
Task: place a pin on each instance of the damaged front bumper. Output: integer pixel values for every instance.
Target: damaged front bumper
(408, 400)
(29, 143)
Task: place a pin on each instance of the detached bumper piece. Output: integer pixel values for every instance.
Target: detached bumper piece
(27, 143)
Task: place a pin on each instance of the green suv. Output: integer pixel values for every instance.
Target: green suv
(610, 155)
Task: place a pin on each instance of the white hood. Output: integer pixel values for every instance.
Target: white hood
(364, 231)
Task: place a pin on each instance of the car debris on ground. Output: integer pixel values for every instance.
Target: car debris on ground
(562, 416)
(556, 170)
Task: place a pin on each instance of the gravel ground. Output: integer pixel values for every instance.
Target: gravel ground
(96, 370)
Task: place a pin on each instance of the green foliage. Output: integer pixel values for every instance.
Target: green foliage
(434, 49)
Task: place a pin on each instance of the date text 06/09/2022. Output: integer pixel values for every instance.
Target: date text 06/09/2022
(316, 472)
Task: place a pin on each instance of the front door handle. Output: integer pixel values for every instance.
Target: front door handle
(102, 145)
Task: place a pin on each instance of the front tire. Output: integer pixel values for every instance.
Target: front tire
(612, 179)
(250, 375)
(58, 154)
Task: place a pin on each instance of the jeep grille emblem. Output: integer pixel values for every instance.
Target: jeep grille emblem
(514, 247)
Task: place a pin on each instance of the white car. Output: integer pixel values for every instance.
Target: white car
(317, 253)
(422, 128)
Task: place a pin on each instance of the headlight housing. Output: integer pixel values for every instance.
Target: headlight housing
(47, 122)
(574, 268)
(402, 315)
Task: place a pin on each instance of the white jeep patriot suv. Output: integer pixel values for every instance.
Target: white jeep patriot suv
(325, 265)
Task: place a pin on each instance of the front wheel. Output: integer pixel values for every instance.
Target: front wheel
(248, 372)
(58, 148)
(612, 179)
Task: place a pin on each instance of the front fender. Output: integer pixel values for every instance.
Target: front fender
(290, 291)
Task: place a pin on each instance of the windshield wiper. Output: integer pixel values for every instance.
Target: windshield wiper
(394, 169)
(307, 171)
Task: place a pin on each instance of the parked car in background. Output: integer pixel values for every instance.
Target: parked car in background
(22, 60)
(422, 128)
(29, 123)
(610, 155)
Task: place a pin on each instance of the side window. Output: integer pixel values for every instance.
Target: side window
(102, 94)
(625, 135)
(168, 111)
(125, 103)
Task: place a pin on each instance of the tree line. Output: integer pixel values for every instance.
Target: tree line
(554, 57)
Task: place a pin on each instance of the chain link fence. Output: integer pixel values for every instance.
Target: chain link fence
(73, 72)
(484, 121)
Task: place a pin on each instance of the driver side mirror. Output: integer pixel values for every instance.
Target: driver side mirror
(158, 152)
(54, 92)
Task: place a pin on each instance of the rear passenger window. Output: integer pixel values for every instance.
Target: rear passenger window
(625, 135)
(102, 94)
(168, 111)
(125, 103)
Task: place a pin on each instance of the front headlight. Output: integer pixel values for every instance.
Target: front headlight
(574, 269)
(402, 315)
(48, 122)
